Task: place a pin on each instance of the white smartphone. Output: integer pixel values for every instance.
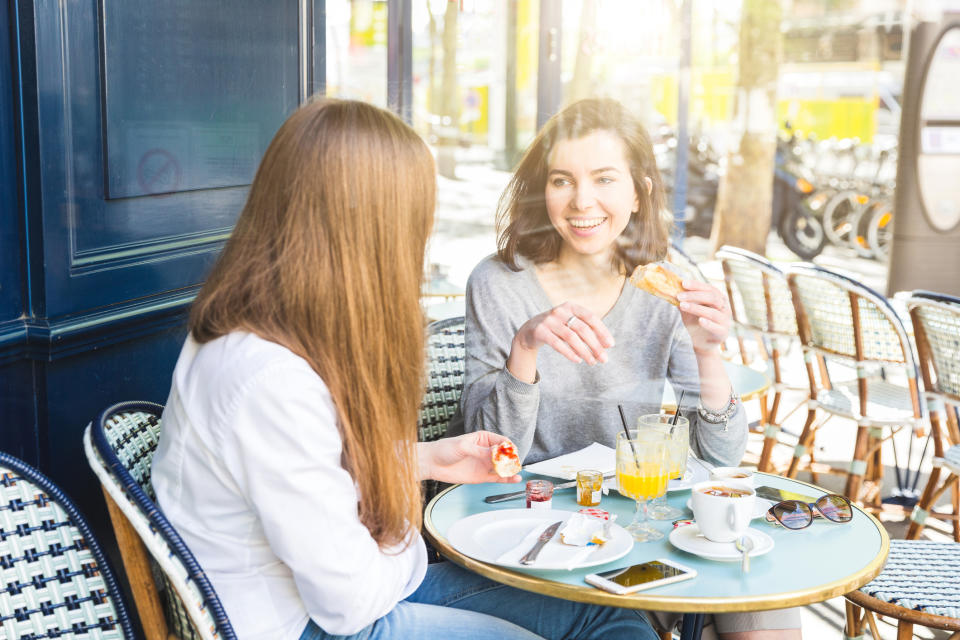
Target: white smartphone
(640, 576)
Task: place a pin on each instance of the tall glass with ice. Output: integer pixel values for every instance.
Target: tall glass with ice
(678, 443)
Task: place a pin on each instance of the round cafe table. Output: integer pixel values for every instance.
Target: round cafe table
(814, 564)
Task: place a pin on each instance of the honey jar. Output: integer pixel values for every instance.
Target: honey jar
(589, 488)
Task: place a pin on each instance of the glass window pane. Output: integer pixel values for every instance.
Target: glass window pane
(357, 50)
(466, 56)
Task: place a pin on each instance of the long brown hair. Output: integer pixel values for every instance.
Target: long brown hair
(523, 226)
(327, 260)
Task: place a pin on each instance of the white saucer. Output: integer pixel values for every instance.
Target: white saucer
(760, 507)
(687, 538)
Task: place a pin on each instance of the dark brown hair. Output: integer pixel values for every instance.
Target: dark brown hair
(327, 260)
(523, 226)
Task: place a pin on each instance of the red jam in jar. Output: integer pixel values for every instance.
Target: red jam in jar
(539, 494)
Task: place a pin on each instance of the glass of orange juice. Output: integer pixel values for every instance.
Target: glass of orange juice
(642, 474)
(678, 444)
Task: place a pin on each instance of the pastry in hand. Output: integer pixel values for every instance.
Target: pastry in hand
(506, 462)
(655, 279)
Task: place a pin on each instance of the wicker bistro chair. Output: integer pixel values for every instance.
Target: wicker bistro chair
(56, 581)
(761, 306)
(445, 360)
(920, 584)
(441, 400)
(849, 324)
(120, 444)
(936, 326)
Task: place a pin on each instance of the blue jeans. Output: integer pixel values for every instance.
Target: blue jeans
(456, 604)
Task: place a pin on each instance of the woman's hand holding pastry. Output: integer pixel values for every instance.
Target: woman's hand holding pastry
(706, 315)
(465, 458)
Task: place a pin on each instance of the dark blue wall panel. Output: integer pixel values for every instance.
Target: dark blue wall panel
(98, 251)
(11, 228)
(97, 272)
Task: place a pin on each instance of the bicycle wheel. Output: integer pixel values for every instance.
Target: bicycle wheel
(859, 220)
(836, 216)
(880, 230)
(802, 232)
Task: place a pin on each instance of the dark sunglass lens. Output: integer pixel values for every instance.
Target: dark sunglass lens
(836, 508)
(793, 514)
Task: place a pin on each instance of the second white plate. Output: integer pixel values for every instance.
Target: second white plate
(489, 535)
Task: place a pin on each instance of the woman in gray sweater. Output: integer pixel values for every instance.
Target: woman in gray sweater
(555, 336)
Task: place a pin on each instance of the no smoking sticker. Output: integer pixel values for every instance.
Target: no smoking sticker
(158, 172)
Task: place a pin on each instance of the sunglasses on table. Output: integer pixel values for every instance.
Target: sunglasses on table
(796, 514)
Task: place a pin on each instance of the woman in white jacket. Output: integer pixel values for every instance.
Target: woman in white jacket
(288, 460)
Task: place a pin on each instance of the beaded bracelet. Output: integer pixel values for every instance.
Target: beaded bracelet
(722, 416)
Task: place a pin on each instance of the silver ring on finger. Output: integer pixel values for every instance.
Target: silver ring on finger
(570, 320)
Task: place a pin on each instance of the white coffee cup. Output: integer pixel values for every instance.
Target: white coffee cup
(722, 518)
(743, 475)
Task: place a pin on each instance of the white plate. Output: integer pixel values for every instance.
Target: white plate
(487, 536)
(760, 507)
(687, 538)
(695, 473)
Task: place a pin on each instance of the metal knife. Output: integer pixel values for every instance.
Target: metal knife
(513, 495)
(544, 538)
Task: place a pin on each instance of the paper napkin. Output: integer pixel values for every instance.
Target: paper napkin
(596, 456)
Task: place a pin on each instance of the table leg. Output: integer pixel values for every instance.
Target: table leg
(692, 626)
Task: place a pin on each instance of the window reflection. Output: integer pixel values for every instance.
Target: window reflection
(357, 50)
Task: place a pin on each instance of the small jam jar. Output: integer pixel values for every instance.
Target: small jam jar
(589, 488)
(539, 494)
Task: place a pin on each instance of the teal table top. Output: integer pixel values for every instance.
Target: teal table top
(822, 561)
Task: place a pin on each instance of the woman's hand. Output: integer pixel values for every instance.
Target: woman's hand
(573, 331)
(465, 458)
(705, 314)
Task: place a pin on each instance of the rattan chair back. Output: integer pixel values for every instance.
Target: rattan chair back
(759, 294)
(56, 581)
(936, 327)
(445, 364)
(120, 444)
(843, 318)
(936, 324)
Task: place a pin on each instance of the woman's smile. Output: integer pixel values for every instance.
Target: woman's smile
(585, 225)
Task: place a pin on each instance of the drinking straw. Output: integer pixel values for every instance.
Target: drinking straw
(676, 414)
(626, 430)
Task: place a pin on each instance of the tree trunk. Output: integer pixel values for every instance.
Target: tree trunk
(450, 98)
(742, 216)
(580, 85)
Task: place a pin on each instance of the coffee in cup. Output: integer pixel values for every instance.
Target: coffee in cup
(743, 475)
(722, 508)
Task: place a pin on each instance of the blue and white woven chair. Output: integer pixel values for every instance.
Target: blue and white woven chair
(120, 443)
(850, 325)
(936, 326)
(761, 307)
(56, 581)
(445, 362)
(919, 585)
(441, 400)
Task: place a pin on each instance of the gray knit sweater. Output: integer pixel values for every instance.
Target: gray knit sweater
(572, 405)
